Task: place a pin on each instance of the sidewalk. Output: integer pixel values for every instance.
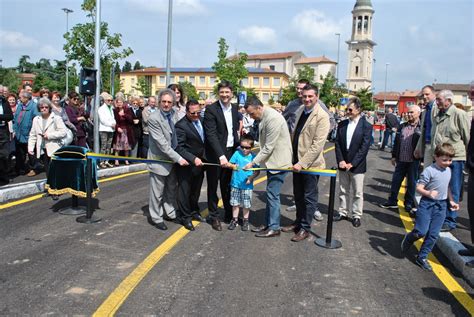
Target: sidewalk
(449, 242)
(23, 186)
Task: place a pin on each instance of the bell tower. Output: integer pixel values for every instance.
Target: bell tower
(361, 47)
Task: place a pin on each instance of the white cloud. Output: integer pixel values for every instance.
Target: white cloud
(314, 25)
(15, 40)
(49, 51)
(180, 7)
(258, 35)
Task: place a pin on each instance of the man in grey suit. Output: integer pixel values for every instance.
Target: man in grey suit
(163, 142)
(275, 152)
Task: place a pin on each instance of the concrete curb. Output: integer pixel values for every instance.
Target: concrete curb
(449, 245)
(17, 191)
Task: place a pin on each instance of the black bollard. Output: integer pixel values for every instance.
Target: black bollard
(74, 209)
(329, 243)
(89, 217)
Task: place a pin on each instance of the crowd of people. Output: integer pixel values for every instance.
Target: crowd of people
(217, 139)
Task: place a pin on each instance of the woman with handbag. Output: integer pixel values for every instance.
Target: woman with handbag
(124, 138)
(61, 112)
(78, 117)
(46, 134)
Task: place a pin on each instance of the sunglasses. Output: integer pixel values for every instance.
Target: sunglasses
(349, 110)
(44, 107)
(194, 113)
(246, 147)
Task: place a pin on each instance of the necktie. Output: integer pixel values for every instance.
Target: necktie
(174, 140)
(198, 126)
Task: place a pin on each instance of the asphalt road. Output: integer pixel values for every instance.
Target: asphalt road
(50, 264)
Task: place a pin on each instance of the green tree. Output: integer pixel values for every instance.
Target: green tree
(9, 77)
(189, 90)
(137, 66)
(117, 68)
(329, 92)
(126, 67)
(365, 96)
(143, 86)
(230, 69)
(23, 65)
(80, 42)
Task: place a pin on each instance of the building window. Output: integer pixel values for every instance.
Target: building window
(202, 95)
(357, 71)
(266, 81)
(192, 80)
(464, 100)
(181, 79)
(410, 103)
(202, 80)
(366, 23)
(357, 50)
(245, 82)
(212, 80)
(162, 80)
(133, 80)
(272, 67)
(276, 82)
(265, 97)
(256, 82)
(359, 24)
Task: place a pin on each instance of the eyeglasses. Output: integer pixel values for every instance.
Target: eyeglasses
(349, 109)
(245, 147)
(194, 113)
(43, 107)
(166, 101)
(109, 100)
(75, 98)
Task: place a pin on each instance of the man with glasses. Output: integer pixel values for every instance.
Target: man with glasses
(308, 140)
(191, 137)
(406, 165)
(221, 126)
(147, 111)
(163, 144)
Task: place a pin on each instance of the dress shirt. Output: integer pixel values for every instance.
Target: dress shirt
(351, 126)
(228, 122)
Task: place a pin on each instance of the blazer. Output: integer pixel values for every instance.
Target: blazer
(470, 150)
(22, 127)
(360, 143)
(421, 141)
(275, 141)
(312, 138)
(55, 129)
(190, 144)
(137, 128)
(160, 144)
(216, 132)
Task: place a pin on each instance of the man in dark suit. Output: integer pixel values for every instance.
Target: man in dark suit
(137, 127)
(221, 125)
(352, 146)
(190, 133)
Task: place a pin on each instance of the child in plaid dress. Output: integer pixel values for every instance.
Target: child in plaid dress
(241, 183)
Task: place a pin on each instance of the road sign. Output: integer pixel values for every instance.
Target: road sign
(242, 97)
(343, 101)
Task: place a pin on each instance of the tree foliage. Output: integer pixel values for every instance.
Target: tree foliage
(138, 66)
(143, 86)
(9, 78)
(230, 69)
(289, 92)
(80, 44)
(126, 67)
(189, 90)
(330, 92)
(365, 96)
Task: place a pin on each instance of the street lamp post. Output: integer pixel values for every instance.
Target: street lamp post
(385, 89)
(337, 66)
(67, 11)
(168, 49)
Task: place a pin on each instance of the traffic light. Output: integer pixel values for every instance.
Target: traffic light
(87, 83)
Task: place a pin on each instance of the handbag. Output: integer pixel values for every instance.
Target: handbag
(68, 138)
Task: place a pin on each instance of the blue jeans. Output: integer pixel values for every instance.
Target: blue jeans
(272, 210)
(429, 220)
(388, 134)
(410, 171)
(455, 186)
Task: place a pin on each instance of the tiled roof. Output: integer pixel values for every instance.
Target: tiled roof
(274, 55)
(453, 87)
(314, 60)
(410, 93)
(389, 95)
(177, 70)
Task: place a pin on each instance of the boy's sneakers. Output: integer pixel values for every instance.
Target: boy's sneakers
(318, 216)
(405, 246)
(245, 225)
(233, 224)
(423, 263)
(388, 205)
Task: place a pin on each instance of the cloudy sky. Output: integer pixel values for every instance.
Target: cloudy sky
(423, 40)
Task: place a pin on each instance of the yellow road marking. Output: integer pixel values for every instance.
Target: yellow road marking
(122, 176)
(21, 201)
(439, 270)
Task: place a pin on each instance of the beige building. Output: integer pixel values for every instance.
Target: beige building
(290, 62)
(461, 95)
(266, 83)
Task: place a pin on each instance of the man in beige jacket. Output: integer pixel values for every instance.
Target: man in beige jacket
(275, 152)
(308, 139)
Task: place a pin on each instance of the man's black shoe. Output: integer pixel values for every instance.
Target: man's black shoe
(466, 252)
(216, 225)
(388, 205)
(339, 217)
(446, 228)
(259, 228)
(188, 225)
(356, 222)
(269, 233)
(198, 217)
(167, 218)
(161, 226)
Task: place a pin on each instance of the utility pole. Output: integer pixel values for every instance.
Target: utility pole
(385, 92)
(67, 11)
(98, 76)
(168, 48)
(337, 67)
